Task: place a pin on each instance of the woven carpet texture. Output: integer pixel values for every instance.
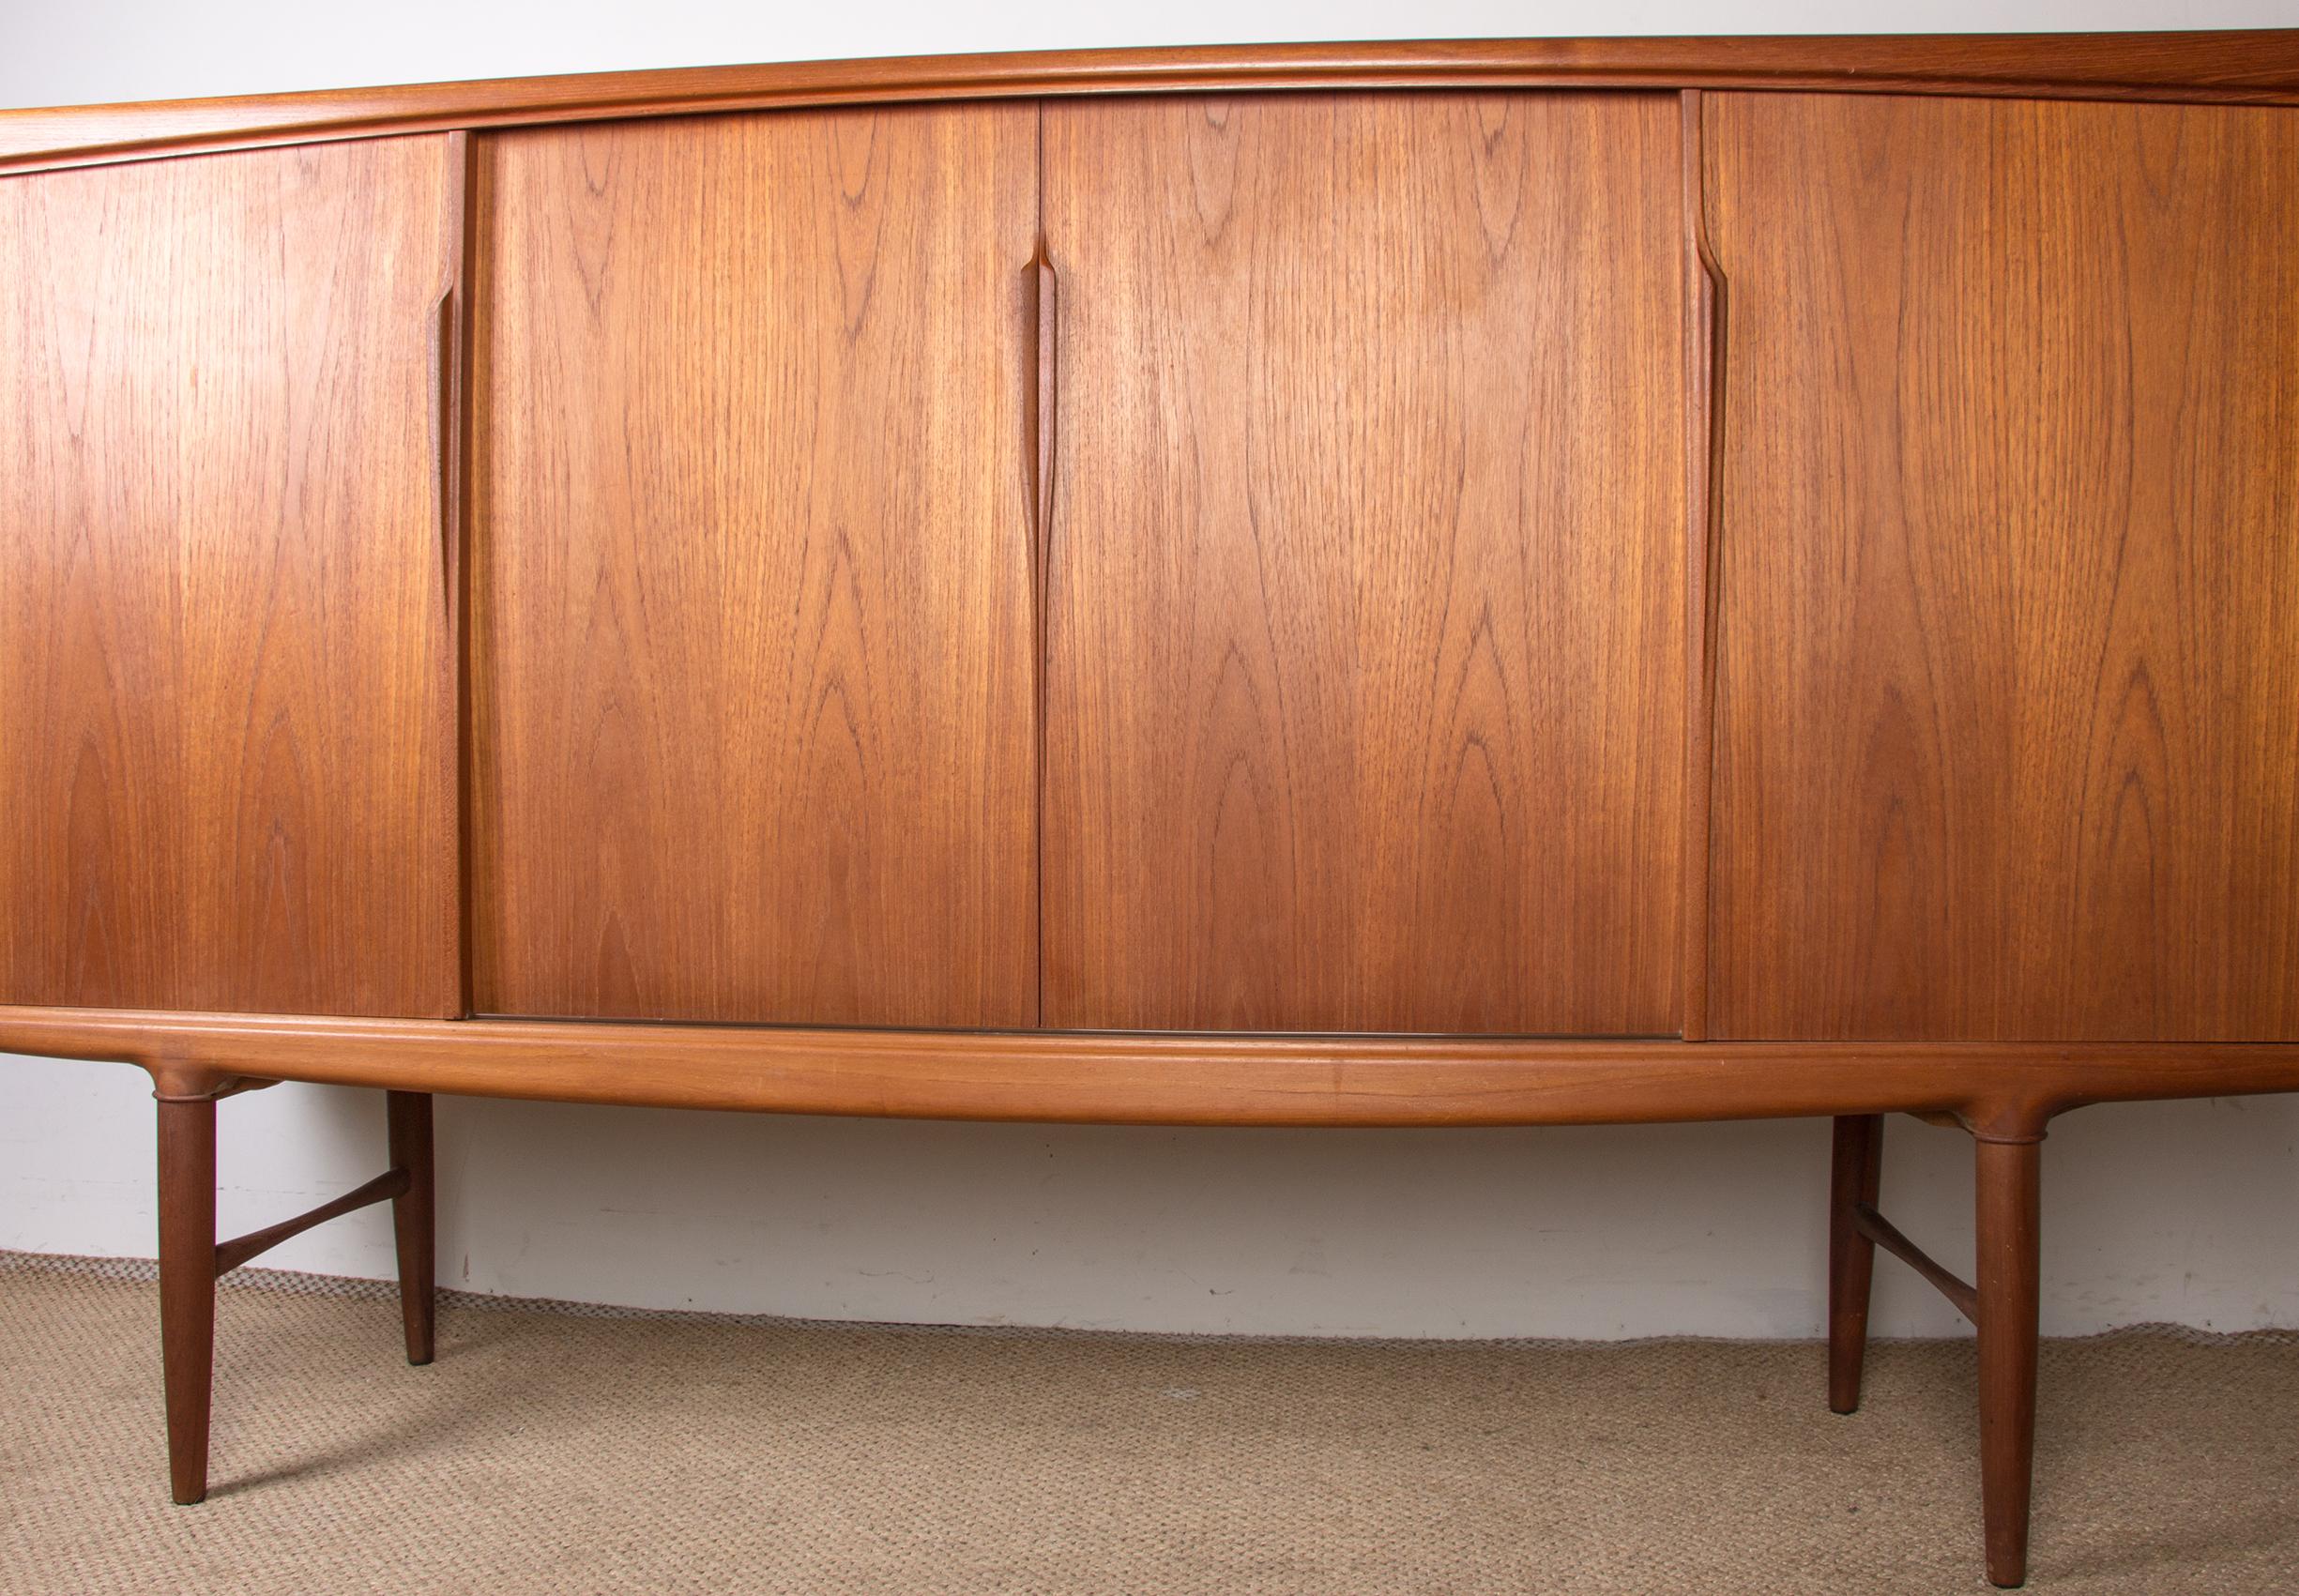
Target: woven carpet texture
(554, 1449)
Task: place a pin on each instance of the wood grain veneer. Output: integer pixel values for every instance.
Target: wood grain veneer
(2008, 641)
(225, 698)
(754, 670)
(2258, 64)
(1364, 596)
(1151, 1078)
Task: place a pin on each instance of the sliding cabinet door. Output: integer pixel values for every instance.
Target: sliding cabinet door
(752, 688)
(227, 733)
(1364, 643)
(2007, 715)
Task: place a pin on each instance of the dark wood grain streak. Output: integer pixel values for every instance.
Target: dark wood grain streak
(1364, 704)
(226, 746)
(2008, 682)
(754, 675)
(2259, 65)
(1157, 1079)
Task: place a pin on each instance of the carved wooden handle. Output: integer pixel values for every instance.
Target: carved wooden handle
(1045, 290)
(1704, 419)
(442, 423)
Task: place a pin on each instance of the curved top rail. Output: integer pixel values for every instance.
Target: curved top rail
(2233, 66)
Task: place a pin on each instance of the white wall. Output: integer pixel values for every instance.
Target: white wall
(2177, 1211)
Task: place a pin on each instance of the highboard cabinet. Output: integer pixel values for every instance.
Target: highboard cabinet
(1474, 583)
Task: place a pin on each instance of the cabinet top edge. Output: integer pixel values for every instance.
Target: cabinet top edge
(2258, 67)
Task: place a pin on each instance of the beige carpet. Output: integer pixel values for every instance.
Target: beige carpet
(557, 1449)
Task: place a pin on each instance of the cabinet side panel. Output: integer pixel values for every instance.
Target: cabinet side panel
(1366, 592)
(2007, 732)
(753, 682)
(223, 621)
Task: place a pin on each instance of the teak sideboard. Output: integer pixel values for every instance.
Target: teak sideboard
(1466, 584)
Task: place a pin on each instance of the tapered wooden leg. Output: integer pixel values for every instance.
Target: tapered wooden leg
(1855, 1177)
(2009, 1221)
(188, 1283)
(413, 1217)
